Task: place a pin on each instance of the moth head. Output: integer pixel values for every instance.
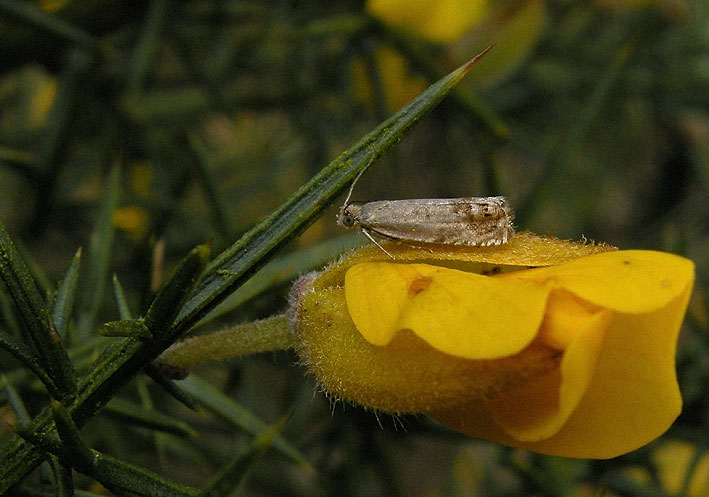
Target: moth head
(349, 215)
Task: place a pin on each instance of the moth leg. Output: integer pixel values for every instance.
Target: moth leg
(371, 239)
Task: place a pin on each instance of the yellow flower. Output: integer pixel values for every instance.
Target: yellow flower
(463, 27)
(399, 84)
(133, 220)
(438, 20)
(556, 347)
(674, 459)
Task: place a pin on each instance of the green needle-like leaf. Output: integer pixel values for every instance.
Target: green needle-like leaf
(121, 361)
(285, 269)
(175, 291)
(119, 475)
(48, 443)
(216, 402)
(73, 445)
(64, 297)
(27, 357)
(99, 256)
(52, 355)
(44, 286)
(63, 478)
(121, 302)
(240, 260)
(233, 473)
(15, 402)
(135, 328)
(145, 50)
(43, 22)
(133, 413)
(170, 387)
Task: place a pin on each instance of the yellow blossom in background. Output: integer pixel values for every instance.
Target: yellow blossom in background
(141, 178)
(132, 220)
(464, 28)
(674, 459)
(438, 21)
(53, 5)
(398, 83)
(42, 101)
(556, 347)
(680, 467)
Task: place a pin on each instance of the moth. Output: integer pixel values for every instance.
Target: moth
(470, 221)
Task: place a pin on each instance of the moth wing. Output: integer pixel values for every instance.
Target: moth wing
(461, 221)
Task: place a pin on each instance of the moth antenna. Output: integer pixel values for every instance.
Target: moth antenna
(371, 239)
(354, 182)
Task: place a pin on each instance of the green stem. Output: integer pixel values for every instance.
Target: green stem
(266, 335)
(123, 359)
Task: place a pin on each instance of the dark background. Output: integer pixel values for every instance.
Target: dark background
(592, 117)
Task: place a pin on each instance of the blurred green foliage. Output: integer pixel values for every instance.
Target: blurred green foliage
(139, 130)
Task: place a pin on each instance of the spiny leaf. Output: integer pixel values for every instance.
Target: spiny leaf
(218, 403)
(240, 260)
(135, 328)
(146, 48)
(122, 360)
(63, 479)
(34, 17)
(175, 291)
(52, 355)
(73, 445)
(154, 420)
(118, 475)
(284, 269)
(234, 472)
(121, 302)
(170, 387)
(15, 402)
(63, 301)
(99, 256)
(27, 357)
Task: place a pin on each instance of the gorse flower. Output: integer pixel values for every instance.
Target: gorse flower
(556, 347)
(682, 468)
(437, 21)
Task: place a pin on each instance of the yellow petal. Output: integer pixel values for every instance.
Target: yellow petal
(633, 396)
(566, 316)
(674, 460)
(439, 20)
(631, 281)
(540, 407)
(462, 314)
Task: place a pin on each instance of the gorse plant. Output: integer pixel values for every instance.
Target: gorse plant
(161, 177)
(185, 298)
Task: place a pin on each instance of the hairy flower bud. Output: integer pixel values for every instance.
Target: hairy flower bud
(557, 347)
